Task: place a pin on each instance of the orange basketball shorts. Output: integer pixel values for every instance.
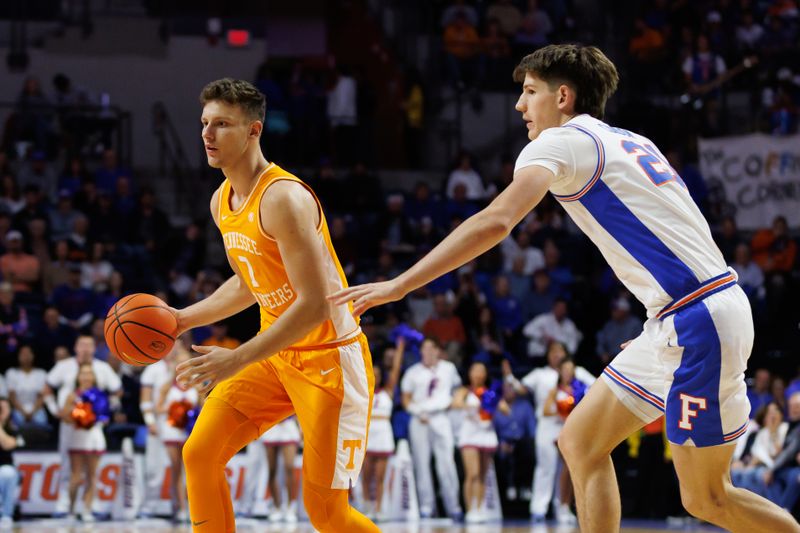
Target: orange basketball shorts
(329, 387)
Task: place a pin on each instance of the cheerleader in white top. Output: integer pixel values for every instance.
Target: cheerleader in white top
(175, 408)
(560, 402)
(86, 408)
(477, 438)
(380, 439)
(282, 438)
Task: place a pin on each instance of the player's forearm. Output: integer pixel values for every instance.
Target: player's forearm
(230, 298)
(473, 237)
(295, 323)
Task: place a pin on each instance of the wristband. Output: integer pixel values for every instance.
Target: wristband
(149, 418)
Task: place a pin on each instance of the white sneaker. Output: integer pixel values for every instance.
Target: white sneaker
(290, 517)
(182, 516)
(511, 494)
(275, 516)
(87, 517)
(6, 522)
(564, 516)
(472, 517)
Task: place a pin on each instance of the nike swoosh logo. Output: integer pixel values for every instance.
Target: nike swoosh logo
(326, 372)
(224, 217)
(199, 523)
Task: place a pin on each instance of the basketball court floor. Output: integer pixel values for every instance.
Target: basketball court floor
(260, 526)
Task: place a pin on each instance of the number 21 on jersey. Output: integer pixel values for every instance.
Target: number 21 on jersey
(652, 163)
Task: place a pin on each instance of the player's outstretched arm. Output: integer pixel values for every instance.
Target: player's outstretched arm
(475, 236)
(290, 215)
(230, 298)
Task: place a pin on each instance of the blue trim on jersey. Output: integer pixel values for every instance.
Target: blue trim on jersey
(699, 376)
(672, 274)
(598, 169)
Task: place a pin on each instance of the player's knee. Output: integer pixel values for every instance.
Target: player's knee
(706, 504)
(194, 453)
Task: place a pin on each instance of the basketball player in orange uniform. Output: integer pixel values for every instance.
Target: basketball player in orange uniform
(309, 358)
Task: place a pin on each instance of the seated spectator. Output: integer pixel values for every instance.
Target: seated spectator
(219, 337)
(646, 44)
(465, 174)
(101, 350)
(621, 328)
(534, 32)
(10, 199)
(520, 284)
(751, 279)
(542, 296)
(560, 276)
(37, 171)
(459, 207)
(105, 178)
(39, 243)
(552, 326)
(96, 273)
(22, 270)
(57, 271)
(748, 33)
(396, 233)
(13, 322)
(74, 176)
(74, 303)
(506, 309)
(459, 8)
(520, 246)
(783, 477)
(78, 240)
(496, 54)
(422, 204)
(778, 392)
(768, 445)
(51, 334)
(62, 218)
(445, 326)
(9, 477)
(773, 249)
(759, 392)
(507, 16)
(461, 47)
(728, 238)
(153, 227)
(25, 386)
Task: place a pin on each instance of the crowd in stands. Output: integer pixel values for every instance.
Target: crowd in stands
(78, 231)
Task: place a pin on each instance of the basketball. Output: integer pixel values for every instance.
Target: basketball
(140, 329)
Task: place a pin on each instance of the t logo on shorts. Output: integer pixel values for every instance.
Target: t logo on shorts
(687, 413)
(353, 445)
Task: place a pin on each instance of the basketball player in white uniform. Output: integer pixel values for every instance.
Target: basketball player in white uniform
(427, 389)
(539, 382)
(688, 364)
(156, 460)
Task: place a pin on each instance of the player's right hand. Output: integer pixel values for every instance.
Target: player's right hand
(368, 296)
(182, 326)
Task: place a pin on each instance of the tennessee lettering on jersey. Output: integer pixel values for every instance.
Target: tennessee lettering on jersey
(237, 241)
(257, 258)
(275, 298)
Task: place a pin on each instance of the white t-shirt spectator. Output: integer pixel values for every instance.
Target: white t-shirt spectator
(544, 327)
(765, 448)
(432, 388)
(342, 109)
(748, 37)
(750, 275)
(63, 375)
(534, 258)
(470, 179)
(26, 385)
(540, 381)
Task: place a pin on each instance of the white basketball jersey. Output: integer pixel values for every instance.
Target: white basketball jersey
(620, 190)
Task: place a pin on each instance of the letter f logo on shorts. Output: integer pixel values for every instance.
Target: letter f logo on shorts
(353, 445)
(687, 413)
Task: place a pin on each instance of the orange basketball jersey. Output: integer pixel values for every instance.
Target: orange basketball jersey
(258, 259)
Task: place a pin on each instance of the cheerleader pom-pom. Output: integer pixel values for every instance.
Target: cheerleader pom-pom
(191, 418)
(83, 415)
(99, 402)
(413, 337)
(178, 414)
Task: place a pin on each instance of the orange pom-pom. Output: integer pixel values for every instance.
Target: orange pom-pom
(178, 414)
(83, 415)
(565, 405)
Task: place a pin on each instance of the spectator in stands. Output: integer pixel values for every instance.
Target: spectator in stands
(703, 67)
(534, 32)
(445, 327)
(767, 446)
(748, 33)
(751, 279)
(507, 15)
(57, 271)
(219, 337)
(79, 240)
(49, 335)
(728, 238)
(515, 433)
(646, 44)
(506, 309)
(461, 49)
(97, 331)
(22, 270)
(459, 207)
(542, 296)
(520, 247)
(773, 249)
(96, 273)
(10, 200)
(620, 328)
(553, 326)
(62, 218)
(496, 52)
(9, 477)
(74, 303)
(459, 8)
(395, 231)
(778, 391)
(25, 390)
(106, 176)
(783, 477)
(37, 171)
(13, 323)
(465, 173)
(520, 284)
(39, 243)
(560, 276)
(343, 116)
(35, 206)
(73, 176)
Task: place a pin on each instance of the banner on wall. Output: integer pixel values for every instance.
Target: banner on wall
(758, 176)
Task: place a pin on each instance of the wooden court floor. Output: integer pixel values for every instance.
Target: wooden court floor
(261, 526)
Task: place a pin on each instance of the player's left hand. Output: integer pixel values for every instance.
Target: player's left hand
(213, 365)
(369, 295)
